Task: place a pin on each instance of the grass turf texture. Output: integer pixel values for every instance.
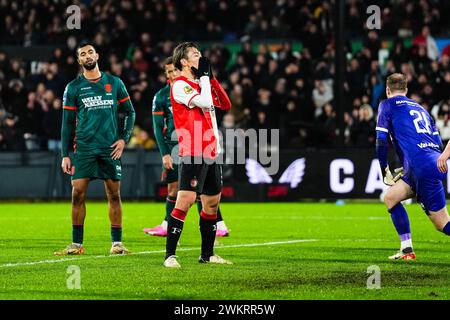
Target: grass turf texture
(350, 238)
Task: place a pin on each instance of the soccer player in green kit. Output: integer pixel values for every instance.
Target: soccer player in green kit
(167, 140)
(90, 120)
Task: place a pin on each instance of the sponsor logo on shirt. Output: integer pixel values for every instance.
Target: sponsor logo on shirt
(411, 103)
(85, 94)
(427, 145)
(97, 102)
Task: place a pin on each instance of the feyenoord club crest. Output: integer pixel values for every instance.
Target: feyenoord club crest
(194, 183)
(108, 87)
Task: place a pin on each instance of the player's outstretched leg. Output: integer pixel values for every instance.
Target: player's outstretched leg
(161, 230)
(112, 188)
(394, 195)
(175, 226)
(208, 220)
(222, 230)
(79, 188)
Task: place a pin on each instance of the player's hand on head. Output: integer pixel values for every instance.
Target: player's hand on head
(167, 162)
(118, 146)
(204, 68)
(442, 163)
(66, 165)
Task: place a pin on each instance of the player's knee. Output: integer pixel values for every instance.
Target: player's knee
(211, 205)
(113, 196)
(186, 199)
(78, 196)
(390, 200)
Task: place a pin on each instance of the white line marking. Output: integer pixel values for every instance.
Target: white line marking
(32, 263)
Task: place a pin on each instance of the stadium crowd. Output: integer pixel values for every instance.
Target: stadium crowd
(271, 86)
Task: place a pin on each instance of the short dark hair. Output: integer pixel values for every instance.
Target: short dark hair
(168, 61)
(180, 52)
(84, 44)
(397, 82)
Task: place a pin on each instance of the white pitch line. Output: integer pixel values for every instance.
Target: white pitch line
(32, 263)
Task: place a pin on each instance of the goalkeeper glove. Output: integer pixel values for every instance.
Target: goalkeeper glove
(390, 179)
(204, 68)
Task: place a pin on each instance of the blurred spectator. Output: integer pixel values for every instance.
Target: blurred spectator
(52, 121)
(10, 136)
(141, 140)
(446, 50)
(322, 94)
(326, 127)
(441, 113)
(425, 40)
(363, 128)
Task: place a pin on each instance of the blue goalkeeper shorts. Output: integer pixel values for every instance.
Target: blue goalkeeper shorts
(429, 188)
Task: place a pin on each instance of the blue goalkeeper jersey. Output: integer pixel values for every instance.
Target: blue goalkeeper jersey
(413, 133)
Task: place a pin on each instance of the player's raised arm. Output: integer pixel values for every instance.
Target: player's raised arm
(223, 101)
(185, 94)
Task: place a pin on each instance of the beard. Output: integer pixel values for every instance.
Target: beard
(90, 65)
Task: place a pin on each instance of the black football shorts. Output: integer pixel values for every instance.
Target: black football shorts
(200, 175)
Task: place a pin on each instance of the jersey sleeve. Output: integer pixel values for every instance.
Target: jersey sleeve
(183, 93)
(122, 93)
(220, 97)
(68, 121)
(69, 98)
(158, 124)
(125, 104)
(383, 117)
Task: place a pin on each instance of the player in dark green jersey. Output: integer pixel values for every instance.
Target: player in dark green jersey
(90, 129)
(166, 139)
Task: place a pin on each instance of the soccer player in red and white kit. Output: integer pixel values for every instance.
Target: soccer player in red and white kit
(194, 95)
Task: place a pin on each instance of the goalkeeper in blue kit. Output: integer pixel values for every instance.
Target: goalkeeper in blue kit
(418, 145)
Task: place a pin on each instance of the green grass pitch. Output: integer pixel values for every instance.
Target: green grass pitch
(280, 251)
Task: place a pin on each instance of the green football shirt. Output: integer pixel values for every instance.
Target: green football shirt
(163, 124)
(90, 115)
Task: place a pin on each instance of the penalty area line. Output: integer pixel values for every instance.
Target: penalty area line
(245, 245)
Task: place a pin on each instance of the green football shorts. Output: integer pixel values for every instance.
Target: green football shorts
(170, 176)
(96, 166)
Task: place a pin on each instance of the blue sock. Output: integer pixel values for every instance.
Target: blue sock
(446, 229)
(400, 219)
